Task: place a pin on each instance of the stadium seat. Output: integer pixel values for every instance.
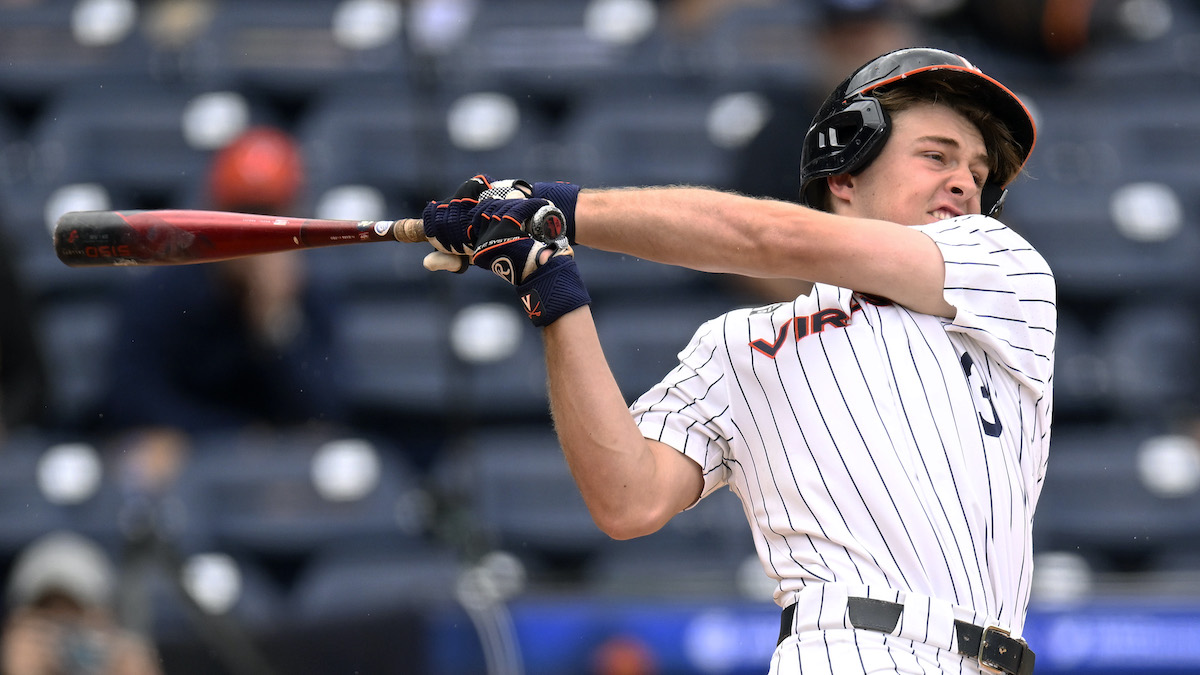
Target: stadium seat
(175, 616)
(1094, 502)
(1064, 204)
(399, 359)
(518, 494)
(289, 48)
(645, 138)
(128, 136)
(1154, 359)
(79, 333)
(537, 48)
(26, 511)
(262, 495)
(42, 52)
(379, 133)
(1083, 378)
(643, 340)
(378, 578)
(756, 45)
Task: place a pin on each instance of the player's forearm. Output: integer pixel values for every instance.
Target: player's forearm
(609, 459)
(717, 231)
(692, 227)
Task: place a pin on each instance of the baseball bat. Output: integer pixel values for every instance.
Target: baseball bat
(187, 236)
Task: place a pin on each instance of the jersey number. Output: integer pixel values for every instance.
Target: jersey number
(990, 427)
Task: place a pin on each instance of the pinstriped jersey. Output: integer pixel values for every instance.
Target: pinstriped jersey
(872, 445)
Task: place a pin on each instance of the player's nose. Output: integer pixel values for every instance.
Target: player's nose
(961, 184)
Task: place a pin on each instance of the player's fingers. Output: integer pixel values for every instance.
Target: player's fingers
(439, 261)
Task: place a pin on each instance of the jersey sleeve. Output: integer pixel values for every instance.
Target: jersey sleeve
(1004, 293)
(689, 409)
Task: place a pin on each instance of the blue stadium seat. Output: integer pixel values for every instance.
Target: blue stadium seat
(537, 48)
(643, 340)
(79, 333)
(1083, 378)
(753, 45)
(256, 495)
(127, 136)
(1151, 351)
(1094, 503)
(284, 48)
(398, 354)
(260, 606)
(519, 495)
(343, 583)
(379, 271)
(1089, 147)
(25, 510)
(42, 54)
(1163, 63)
(381, 133)
(645, 138)
(397, 139)
(509, 388)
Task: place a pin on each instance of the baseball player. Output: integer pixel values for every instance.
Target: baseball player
(887, 432)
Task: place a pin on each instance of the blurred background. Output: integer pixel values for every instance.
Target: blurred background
(334, 461)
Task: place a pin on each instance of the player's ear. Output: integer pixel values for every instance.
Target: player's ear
(841, 186)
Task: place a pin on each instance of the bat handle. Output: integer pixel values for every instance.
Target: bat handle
(546, 225)
(409, 231)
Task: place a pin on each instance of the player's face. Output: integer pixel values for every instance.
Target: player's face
(932, 167)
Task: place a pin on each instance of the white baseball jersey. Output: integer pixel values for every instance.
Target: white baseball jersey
(878, 451)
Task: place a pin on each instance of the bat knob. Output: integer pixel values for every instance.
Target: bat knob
(547, 224)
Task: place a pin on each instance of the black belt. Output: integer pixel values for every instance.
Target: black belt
(993, 647)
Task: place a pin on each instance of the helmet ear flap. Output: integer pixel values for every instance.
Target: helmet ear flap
(992, 199)
(844, 141)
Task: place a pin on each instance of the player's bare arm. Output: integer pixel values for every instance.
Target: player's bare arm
(717, 231)
(632, 485)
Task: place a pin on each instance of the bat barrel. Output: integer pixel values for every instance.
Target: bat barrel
(85, 238)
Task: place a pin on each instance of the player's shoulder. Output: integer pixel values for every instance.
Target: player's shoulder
(995, 237)
(973, 226)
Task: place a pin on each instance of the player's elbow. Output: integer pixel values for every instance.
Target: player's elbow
(623, 530)
(628, 523)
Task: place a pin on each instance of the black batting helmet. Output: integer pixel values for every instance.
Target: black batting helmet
(851, 126)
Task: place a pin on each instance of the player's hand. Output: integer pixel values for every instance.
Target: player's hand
(545, 274)
(452, 226)
(496, 233)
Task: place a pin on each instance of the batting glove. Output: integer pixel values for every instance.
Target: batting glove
(453, 226)
(545, 275)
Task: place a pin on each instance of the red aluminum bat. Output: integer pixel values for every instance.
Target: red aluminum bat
(184, 236)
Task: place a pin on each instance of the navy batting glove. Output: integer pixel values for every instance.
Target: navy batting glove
(453, 226)
(545, 275)
(564, 195)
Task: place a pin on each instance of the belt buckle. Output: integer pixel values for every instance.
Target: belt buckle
(989, 663)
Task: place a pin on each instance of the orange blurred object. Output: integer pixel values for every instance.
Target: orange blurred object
(261, 170)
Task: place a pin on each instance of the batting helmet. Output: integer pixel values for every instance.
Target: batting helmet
(261, 170)
(851, 126)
